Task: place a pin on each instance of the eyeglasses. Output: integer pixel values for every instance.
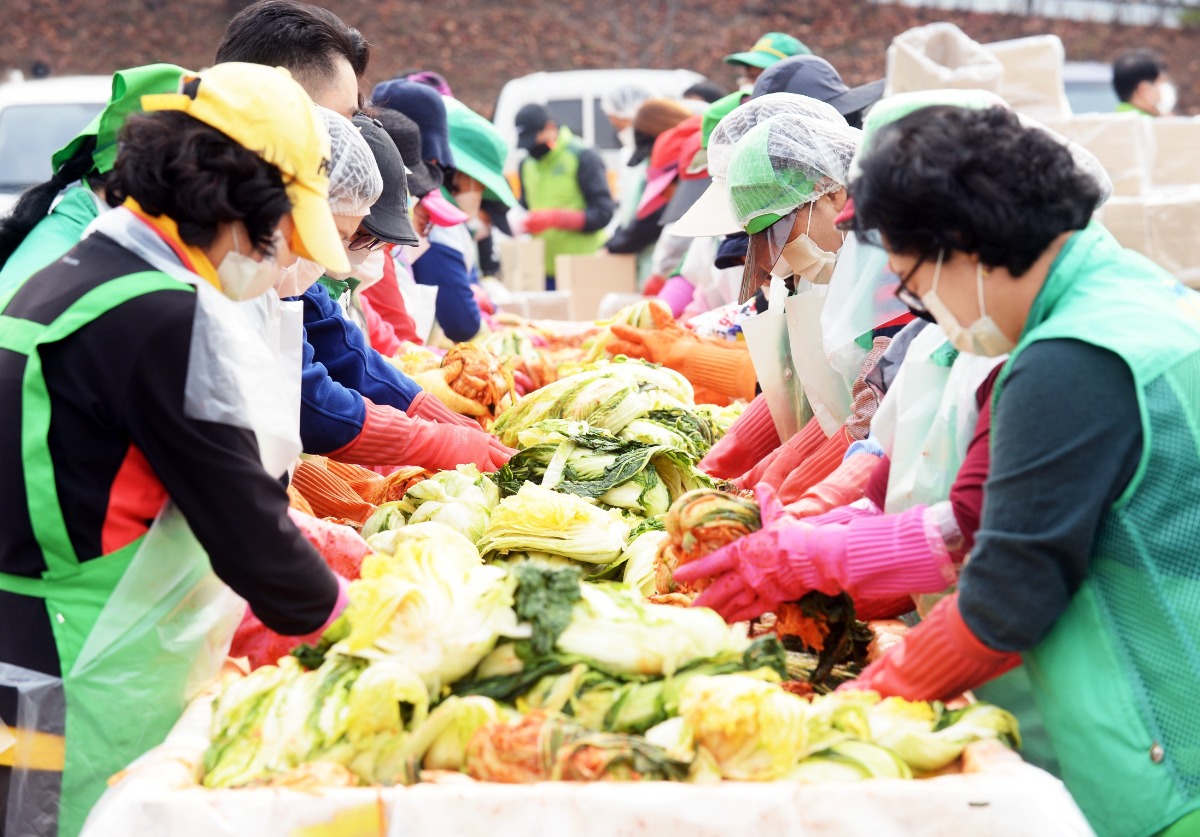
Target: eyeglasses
(910, 300)
(363, 240)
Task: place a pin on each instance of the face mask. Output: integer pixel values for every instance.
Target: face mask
(625, 136)
(298, 278)
(356, 257)
(370, 271)
(982, 337)
(539, 151)
(244, 278)
(469, 202)
(1167, 98)
(807, 260)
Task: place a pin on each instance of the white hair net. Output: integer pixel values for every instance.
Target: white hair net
(623, 102)
(354, 179)
(788, 161)
(738, 122)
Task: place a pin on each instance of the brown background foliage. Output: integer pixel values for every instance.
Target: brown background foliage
(479, 44)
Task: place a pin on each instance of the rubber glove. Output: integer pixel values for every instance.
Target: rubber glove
(841, 488)
(749, 439)
(652, 344)
(938, 660)
(426, 406)
(261, 646)
(541, 220)
(876, 558)
(786, 458)
(654, 284)
(677, 292)
(817, 467)
(390, 437)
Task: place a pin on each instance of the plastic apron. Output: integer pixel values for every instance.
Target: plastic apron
(826, 390)
(141, 630)
(925, 423)
(767, 340)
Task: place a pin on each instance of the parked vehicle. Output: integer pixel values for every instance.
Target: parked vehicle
(1089, 87)
(36, 119)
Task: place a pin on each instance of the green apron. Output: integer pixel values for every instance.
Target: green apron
(552, 183)
(138, 631)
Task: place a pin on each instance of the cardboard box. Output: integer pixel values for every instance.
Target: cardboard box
(588, 279)
(1161, 227)
(939, 56)
(1033, 76)
(1122, 142)
(523, 264)
(1176, 154)
(538, 305)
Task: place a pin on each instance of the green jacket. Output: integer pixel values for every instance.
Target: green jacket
(1116, 678)
(54, 235)
(555, 182)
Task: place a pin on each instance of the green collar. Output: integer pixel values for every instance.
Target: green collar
(1064, 272)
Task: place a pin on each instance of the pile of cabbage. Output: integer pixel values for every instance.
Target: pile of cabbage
(524, 671)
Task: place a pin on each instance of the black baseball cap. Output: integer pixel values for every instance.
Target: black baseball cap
(813, 76)
(388, 219)
(530, 121)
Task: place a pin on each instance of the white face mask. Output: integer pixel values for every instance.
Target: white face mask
(370, 271)
(356, 258)
(1167, 99)
(244, 278)
(982, 337)
(807, 260)
(298, 278)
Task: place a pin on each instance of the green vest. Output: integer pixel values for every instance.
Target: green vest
(53, 236)
(1116, 679)
(552, 183)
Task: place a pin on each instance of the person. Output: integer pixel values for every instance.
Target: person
(706, 91)
(620, 105)
(638, 234)
(1142, 84)
(767, 50)
(322, 53)
(34, 234)
(355, 406)
(809, 75)
(564, 186)
(118, 504)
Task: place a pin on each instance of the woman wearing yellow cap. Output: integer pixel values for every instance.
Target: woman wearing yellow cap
(142, 447)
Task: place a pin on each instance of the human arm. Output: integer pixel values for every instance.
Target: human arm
(637, 235)
(593, 183)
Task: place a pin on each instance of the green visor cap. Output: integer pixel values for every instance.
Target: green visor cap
(896, 107)
(760, 192)
(128, 88)
(717, 111)
(479, 151)
(770, 48)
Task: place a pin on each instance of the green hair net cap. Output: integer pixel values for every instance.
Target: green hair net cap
(128, 87)
(785, 162)
(717, 111)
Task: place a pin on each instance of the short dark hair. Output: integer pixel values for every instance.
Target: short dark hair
(1132, 68)
(706, 90)
(305, 39)
(976, 181)
(175, 165)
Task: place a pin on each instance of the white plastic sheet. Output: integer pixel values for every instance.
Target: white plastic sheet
(159, 795)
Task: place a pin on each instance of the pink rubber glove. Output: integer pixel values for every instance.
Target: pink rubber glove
(841, 488)
(677, 292)
(541, 220)
(751, 438)
(426, 406)
(261, 646)
(938, 660)
(390, 437)
(875, 558)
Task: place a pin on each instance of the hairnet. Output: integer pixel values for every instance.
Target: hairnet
(740, 120)
(623, 102)
(354, 179)
(788, 161)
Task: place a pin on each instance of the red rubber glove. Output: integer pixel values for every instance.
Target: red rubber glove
(878, 558)
(541, 220)
(787, 457)
(841, 488)
(817, 467)
(938, 660)
(653, 285)
(261, 646)
(749, 439)
(390, 437)
(426, 406)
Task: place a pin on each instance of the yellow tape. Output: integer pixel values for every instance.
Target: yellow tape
(39, 750)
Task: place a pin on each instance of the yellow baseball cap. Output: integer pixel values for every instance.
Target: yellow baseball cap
(264, 110)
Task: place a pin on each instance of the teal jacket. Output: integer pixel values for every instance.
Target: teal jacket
(54, 235)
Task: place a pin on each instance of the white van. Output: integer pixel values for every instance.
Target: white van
(573, 99)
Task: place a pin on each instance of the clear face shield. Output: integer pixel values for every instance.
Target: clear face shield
(763, 253)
